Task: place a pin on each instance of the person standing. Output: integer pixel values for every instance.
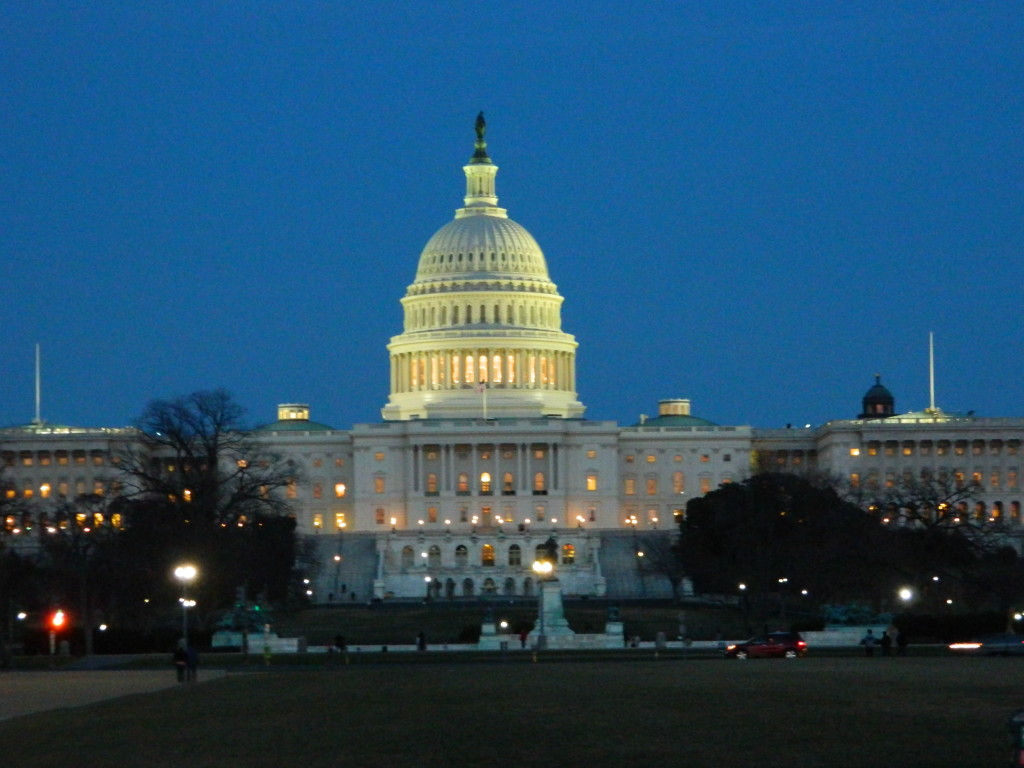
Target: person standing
(180, 658)
(886, 643)
(868, 641)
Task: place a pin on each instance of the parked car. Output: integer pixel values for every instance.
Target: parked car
(783, 645)
(1006, 644)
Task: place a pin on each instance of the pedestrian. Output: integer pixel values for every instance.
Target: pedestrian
(901, 644)
(180, 658)
(522, 638)
(868, 641)
(421, 642)
(191, 664)
(886, 643)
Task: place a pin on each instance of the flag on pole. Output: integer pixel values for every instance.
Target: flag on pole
(481, 389)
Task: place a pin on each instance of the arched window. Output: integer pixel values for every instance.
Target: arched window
(507, 484)
(461, 555)
(527, 586)
(434, 556)
(378, 484)
(678, 482)
(455, 315)
(408, 557)
(449, 588)
(483, 368)
(515, 555)
(510, 586)
(485, 482)
(568, 554)
(1015, 510)
(467, 587)
(652, 486)
(539, 486)
(462, 487)
(496, 369)
(431, 482)
(489, 587)
(487, 555)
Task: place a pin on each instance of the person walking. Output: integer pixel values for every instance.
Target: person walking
(886, 643)
(191, 664)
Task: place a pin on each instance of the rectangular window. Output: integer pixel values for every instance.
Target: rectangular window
(855, 479)
(539, 513)
(678, 482)
(431, 514)
(705, 485)
(1011, 478)
(339, 520)
(292, 489)
(318, 490)
(855, 451)
(378, 516)
(629, 459)
(378, 485)
(630, 486)
(44, 459)
(339, 490)
(705, 458)
(591, 481)
(318, 520)
(591, 454)
(994, 480)
(652, 486)
(378, 456)
(538, 453)
(651, 458)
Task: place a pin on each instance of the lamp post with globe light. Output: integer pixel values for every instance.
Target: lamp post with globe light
(185, 574)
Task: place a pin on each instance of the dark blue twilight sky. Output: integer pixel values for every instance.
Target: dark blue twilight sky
(756, 205)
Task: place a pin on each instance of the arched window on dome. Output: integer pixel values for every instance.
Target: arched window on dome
(497, 314)
(532, 375)
(469, 315)
(482, 362)
(433, 315)
(456, 370)
(511, 369)
(533, 315)
(522, 315)
(543, 370)
(483, 313)
(444, 316)
(510, 315)
(455, 315)
(496, 369)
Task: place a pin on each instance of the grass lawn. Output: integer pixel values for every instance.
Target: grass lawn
(931, 712)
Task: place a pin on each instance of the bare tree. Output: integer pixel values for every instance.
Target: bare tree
(661, 557)
(195, 453)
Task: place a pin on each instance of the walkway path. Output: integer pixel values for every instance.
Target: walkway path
(22, 693)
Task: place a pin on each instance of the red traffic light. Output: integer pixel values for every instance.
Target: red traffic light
(57, 619)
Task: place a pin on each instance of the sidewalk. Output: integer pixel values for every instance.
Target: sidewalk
(22, 693)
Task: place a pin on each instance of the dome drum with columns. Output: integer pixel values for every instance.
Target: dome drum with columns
(482, 335)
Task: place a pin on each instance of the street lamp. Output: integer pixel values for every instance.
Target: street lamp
(185, 574)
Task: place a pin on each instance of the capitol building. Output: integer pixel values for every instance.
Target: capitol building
(484, 456)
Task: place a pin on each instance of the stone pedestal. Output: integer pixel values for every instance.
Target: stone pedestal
(552, 628)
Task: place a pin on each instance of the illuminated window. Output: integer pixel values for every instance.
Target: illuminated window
(629, 458)
(958, 478)
(651, 458)
(379, 456)
(485, 482)
(62, 458)
(98, 488)
(1011, 478)
(855, 479)
(568, 554)
(678, 482)
(97, 459)
(339, 520)
(339, 490)
(652, 486)
(378, 484)
(318, 520)
(539, 483)
(378, 516)
(705, 458)
(705, 484)
(538, 453)
(26, 459)
(339, 462)
(508, 485)
(62, 489)
(629, 486)
(291, 489)
(431, 514)
(994, 480)
(431, 455)
(855, 451)
(318, 490)
(591, 454)
(591, 481)
(976, 478)
(908, 449)
(487, 556)
(462, 487)
(44, 459)
(431, 483)
(44, 490)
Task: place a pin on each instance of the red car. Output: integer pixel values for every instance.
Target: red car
(783, 645)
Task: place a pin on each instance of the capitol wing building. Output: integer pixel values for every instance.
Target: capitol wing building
(484, 458)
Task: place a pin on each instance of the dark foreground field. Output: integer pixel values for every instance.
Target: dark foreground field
(812, 712)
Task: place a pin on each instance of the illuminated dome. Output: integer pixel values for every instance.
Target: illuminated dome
(482, 313)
